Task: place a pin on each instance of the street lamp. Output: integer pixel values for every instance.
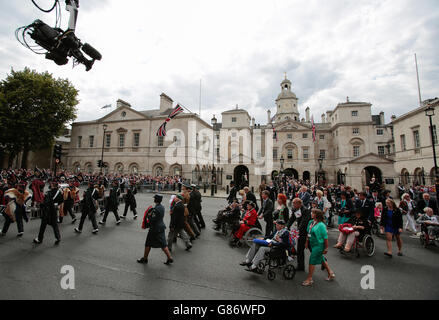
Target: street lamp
(320, 160)
(282, 161)
(429, 112)
(103, 142)
(213, 181)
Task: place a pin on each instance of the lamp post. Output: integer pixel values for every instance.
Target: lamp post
(320, 160)
(213, 180)
(282, 161)
(429, 112)
(103, 142)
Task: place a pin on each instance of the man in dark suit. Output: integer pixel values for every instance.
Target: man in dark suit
(195, 202)
(302, 215)
(305, 196)
(425, 202)
(266, 212)
(251, 197)
(365, 206)
(232, 193)
(176, 226)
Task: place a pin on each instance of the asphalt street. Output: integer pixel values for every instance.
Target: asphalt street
(105, 267)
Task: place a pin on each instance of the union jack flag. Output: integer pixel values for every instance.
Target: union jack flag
(161, 132)
(274, 134)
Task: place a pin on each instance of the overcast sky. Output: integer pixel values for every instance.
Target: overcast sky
(240, 50)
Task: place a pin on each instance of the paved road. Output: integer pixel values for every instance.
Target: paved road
(105, 267)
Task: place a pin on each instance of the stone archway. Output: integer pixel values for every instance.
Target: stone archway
(292, 173)
(372, 173)
(241, 176)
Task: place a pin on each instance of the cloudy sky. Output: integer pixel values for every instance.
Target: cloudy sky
(240, 50)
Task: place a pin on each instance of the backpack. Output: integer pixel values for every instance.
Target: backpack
(146, 222)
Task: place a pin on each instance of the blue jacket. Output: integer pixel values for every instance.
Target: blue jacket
(284, 235)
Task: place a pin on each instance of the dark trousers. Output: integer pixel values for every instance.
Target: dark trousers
(269, 227)
(199, 220)
(193, 225)
(107, 210)
(44, 223)
(301, 252)
(68, 210)
(84, 216)
(8, 221)
(127, 205)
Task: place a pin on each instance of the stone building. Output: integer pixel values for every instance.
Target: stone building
(413, 152)
(351, 146)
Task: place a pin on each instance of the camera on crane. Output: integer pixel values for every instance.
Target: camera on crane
(56, 44)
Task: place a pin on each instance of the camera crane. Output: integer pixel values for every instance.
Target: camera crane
(58, 45)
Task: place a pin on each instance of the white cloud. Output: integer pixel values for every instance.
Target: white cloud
(361, 49)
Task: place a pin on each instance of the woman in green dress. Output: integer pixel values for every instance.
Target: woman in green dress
(317, 243)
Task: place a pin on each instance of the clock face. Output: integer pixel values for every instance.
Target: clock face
(124, 114)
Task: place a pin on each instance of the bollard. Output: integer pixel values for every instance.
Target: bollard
(227, 190)
(174, 186)
(204, 188)
(253, 190)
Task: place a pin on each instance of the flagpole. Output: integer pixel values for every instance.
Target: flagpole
(419, 86)
(200, 98)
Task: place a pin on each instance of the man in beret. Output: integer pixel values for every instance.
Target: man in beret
(279, 239)
(176, 226)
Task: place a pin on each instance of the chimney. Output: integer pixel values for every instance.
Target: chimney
(165, 102)
(328, 116)
(121, 103)
(382, 118)
(269, 116)
(253, 122)
(307, 114)
(393, 118)
(323, 118)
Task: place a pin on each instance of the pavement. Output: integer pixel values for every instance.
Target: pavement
(105, 267)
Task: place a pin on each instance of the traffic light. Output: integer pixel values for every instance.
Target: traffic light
(57, 151)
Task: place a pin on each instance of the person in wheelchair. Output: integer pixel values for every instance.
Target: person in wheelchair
(277, 241)
(231, 214)
(429, 223)
(249, 221)
(359, 226)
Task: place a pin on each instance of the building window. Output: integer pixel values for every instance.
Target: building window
(322, 137)
(136, 139)
(121, 140)
(356, 131)
(79, 142)
(160, 141)
(108, 140)
(274, 154)
(403, 144)
(290, 154)
(323, 154)
(381, 151)
(416, 140)
(218, 156)
(434, 134)
(289, 136)
(305, 154)
(355, 113)
(356, 151)
(304, 136)
(91, 140)
(380, 132)
(233, 119)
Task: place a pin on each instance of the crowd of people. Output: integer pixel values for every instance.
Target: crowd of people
(285, 205)
(311, 209)
(24, 189)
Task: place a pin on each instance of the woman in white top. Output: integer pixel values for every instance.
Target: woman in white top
(407, 206)
(323, 203)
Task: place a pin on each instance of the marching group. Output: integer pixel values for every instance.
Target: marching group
(313, 209)
(19, 188)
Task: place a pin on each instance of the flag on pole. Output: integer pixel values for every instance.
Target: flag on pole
(274, 134)
(161, 132)
(313, 125)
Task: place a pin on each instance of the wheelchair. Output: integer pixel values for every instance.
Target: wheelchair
(254, 232)
(278, 259)
(426, 239)
(367, 245)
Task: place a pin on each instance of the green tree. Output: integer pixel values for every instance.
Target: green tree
(34, 109)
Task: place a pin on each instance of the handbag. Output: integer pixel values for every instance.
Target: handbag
(146, 222)
(346, 228)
